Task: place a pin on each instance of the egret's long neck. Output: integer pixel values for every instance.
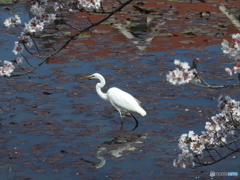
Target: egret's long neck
(99, 91)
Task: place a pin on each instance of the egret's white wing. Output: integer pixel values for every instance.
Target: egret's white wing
(123, 101)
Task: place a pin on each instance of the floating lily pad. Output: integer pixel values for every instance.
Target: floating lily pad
(187, 42)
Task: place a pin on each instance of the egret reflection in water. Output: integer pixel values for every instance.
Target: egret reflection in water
(126, 142)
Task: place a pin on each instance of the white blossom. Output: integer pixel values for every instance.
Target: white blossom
(44, 2)
(37, 9)
(34, 25)
(12, 21)
(7, 68)
(182, 75)
(217, 131)
(232, 49)
(236, 36)
(94, 4)
(236, 69)
(26, 39)
(177, 62)
(228, 70)
(56, 6)
(183, 160)
(19, 60)
(18, 48)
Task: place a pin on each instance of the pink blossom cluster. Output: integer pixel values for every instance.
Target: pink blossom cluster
(18, 48)
(26, 39)
(7, 68)
(234, 70)
(36, 24)
(182, 75)
(12, 21)
(216, 134)
(87, 4)
(232, 49)
(94, 4)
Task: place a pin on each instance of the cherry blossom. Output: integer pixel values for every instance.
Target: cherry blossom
(183, 160)
(94, 4)
(232, 49)
(75, 6)
(216, 134)
(18, 48)
(37, 9)
(234, 70)
(230, 71)
(57, 6)
(26, 39)
(19, 60)
(182, 75)
(34, 25)
(12, 21)
(48, 18)
(7, 68)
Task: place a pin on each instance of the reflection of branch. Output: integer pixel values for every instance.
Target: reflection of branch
(128, 32)
(231, 17)
(74, 37)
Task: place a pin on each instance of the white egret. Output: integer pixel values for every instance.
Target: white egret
(124, 102)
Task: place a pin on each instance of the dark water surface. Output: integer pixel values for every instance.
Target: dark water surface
(54, 125)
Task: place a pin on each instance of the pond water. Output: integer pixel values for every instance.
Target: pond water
(55, 127)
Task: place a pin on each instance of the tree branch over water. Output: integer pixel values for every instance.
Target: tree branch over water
(69, 38)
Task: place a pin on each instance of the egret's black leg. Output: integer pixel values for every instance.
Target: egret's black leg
(121, 122)
(135, 121)
(121, 119)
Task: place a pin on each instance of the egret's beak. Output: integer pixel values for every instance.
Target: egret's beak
(87, 77)
(90, 162)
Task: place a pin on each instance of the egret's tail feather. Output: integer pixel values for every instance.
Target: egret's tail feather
(142, 112)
